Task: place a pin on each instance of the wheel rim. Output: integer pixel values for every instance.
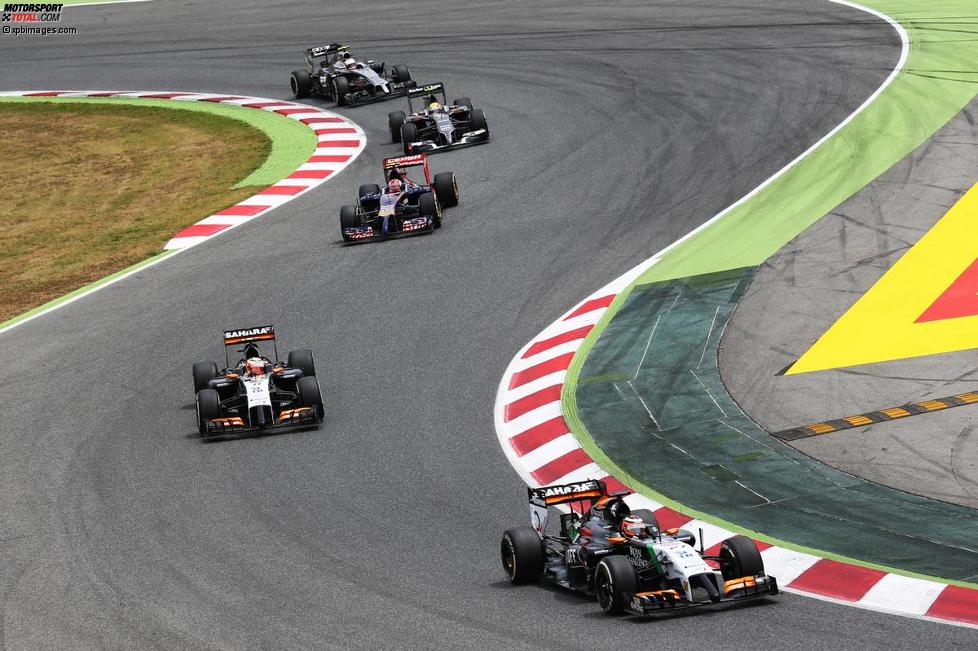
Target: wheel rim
(604, 588)
(509, 558)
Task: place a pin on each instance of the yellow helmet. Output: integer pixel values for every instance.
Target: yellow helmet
(434, 106)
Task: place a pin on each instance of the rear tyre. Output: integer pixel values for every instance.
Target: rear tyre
(394, 120)
(204, 372)
(463, 101)
(365, 189)
(402, 74)
(522, 554)
(446, 187)
(208, 407)
(302, 360)
(409, 133)
(428, 206)
(310, 395)
(341, 86)
(301, 83)
(348, 219)
(613, 579)
(479, 120)
(739, 557)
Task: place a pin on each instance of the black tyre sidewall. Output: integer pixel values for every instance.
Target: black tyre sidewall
(446, 189)
(740, 558)
(623, 580)
(302, 359)
(203, 371)
(208, 405)
(527, 552)
(409, 133)
(310, 394)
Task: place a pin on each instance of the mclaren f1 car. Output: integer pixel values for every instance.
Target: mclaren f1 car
(622, 556)
(332, 72)
(257, 393)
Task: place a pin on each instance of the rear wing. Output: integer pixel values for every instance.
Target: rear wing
(404, 161)
(323, 50)
(541, 499)
(427, 89)
(247, 335)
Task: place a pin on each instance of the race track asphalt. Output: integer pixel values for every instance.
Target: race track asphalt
(616, 129)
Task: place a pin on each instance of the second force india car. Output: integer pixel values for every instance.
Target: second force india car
(257, 393)
(403, 206)
(435, 125)
(333, 73)
(623, 558)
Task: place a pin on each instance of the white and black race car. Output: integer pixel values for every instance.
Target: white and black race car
(257, 393)
(623, 557)
(434, 125)
(333, 73)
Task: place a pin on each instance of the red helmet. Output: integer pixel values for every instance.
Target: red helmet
(632, 527)
(255, 366)
(394, 185)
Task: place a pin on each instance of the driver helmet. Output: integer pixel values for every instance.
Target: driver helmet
(255, 366)
(394, 185)
(632, 527)
(350, 62)
(434, 106)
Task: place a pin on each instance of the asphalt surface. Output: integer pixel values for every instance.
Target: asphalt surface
(616, 129)
(800, 292)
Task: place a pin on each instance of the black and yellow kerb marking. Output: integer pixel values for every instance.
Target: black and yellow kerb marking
(893, 413)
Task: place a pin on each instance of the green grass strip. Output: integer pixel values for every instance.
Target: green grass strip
(292, 142)
(939, 79)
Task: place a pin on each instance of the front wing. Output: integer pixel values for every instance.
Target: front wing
(662, 601)
(287, 418)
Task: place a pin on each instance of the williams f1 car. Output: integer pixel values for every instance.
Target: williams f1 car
(257, 393)
(435, 125)
(333, 73)
(622, 557)
(403, 206)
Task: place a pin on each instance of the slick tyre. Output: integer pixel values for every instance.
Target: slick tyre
(479, 120)
(341, 86)
(446, 188)
(463, 101)
(401, 74)
(428, 206)
(301, 83)
(310, 395)
(204, 372)
(739, 557)
(614, 578)
(366, 189)
(208, 407)
(409, 134)
(394, 121)
(302, 360)
(348, 219)
(522, 554)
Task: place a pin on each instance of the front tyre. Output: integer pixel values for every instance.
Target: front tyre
(341, 88)
(446, 187)
(479, 120)
(310, 395)
(208, 407)
(522, 554)
(348, 219)
(428, 206)
(409, 134)
(401, 74)
(614, 579)
(301, 83)
(739, 557)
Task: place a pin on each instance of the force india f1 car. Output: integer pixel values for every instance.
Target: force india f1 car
(256, 394)
(623, 558)
(333, 73)
(434, 125)
(403, 206)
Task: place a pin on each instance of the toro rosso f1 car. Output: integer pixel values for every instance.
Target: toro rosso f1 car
(405, 205)
(623, 558)
(435, 125)
(257, 393)
(333, 73)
